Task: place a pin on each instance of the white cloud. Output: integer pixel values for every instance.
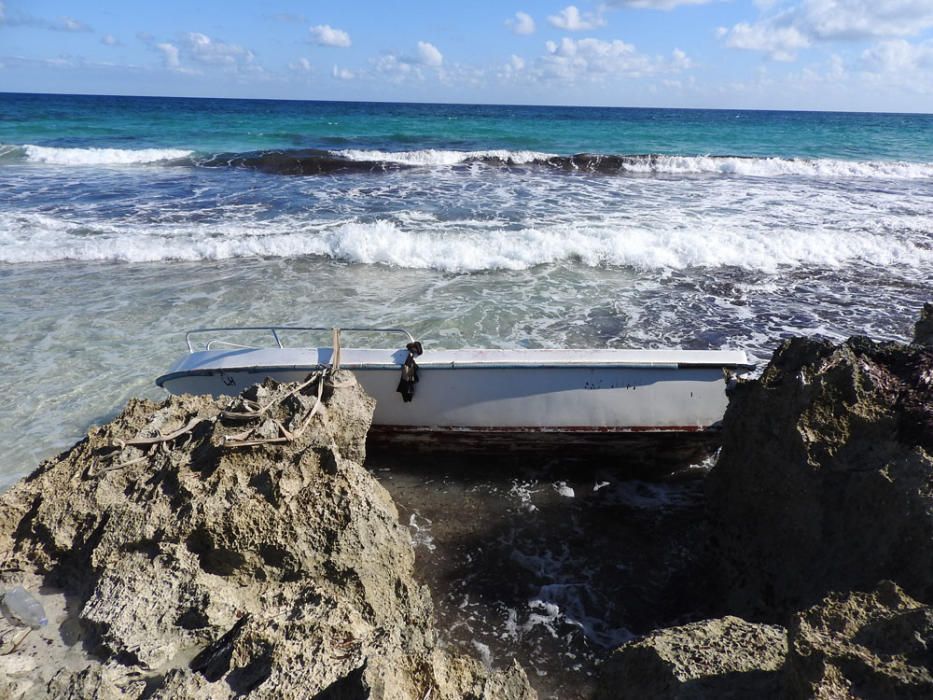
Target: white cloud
(70, 24)
(396, 69)
(655, 4)
(680, 60)
(325, 35)
(170, 56)
(428, 54)
(572, 20)
(898, 56)
(110, 40)
(342, 73)
(592, 59)
(859, 19)
(302, 65)
(781, 43)
(512, 69)
(811, 21)
(198, 48)
(401, 68)
(522, 23)
(202, 49)
(22, 19)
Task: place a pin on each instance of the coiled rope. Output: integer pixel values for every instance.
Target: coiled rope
(249, 411)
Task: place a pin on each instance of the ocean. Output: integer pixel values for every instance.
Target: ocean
(125, 221)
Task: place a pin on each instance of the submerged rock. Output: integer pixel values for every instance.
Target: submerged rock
(176, 564)
(864, 645)
(825, 479)
(723, 658)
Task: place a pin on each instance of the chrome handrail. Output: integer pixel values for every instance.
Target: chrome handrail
(275, 329)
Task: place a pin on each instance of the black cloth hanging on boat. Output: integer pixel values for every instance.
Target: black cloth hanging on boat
(406, 385)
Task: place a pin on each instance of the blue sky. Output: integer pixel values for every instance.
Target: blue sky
(784, 54)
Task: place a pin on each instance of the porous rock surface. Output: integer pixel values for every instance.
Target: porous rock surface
(862, 645)
(720, 658)
(188, 568)
(825, 478)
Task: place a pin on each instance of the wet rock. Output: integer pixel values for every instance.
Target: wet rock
(190, 549)
(923, 329)
(824, 479)
(721, 658)
(864, 645)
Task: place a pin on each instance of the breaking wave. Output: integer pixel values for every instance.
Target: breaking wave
(40, 238)
(433, 156)
(91, 156)
(323, 162)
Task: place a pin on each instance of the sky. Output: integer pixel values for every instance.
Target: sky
(863, 55)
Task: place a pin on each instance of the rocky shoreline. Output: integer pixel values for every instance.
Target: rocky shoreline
(175, 565)
(186, 550)
(820, 512)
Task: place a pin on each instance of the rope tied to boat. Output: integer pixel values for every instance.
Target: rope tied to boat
(335, 353)
(250, 438)
(247, 411)
(406, 385)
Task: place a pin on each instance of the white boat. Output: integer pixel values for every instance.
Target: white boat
(489, 396)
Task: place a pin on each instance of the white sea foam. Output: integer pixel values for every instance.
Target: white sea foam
(100, 156)
(776, 167)
(563, 490)
(432, 156)
(674, 165)
(41, 238)
(420, 528)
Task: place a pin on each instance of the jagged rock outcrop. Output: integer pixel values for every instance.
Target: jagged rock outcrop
(870, 645)
(721, 658)
(862, 645)
(923, 329)
(825, 479)
(174, 564)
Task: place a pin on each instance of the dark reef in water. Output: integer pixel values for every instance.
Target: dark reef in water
(313, 161)
(587, 162)
(297, 162)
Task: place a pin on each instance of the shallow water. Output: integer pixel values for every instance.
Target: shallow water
(550, 562)
(79, 338)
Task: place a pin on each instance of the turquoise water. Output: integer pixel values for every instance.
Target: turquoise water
(209, 125)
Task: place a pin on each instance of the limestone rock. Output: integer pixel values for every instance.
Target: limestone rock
(176, 565)
(825, 478)
(862, 645)
(720, 658)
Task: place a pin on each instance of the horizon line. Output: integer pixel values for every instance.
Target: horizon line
(463, 104)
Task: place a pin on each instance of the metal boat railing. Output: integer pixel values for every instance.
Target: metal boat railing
(274, 331)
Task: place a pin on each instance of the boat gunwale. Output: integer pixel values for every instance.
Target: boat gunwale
(257, 369)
